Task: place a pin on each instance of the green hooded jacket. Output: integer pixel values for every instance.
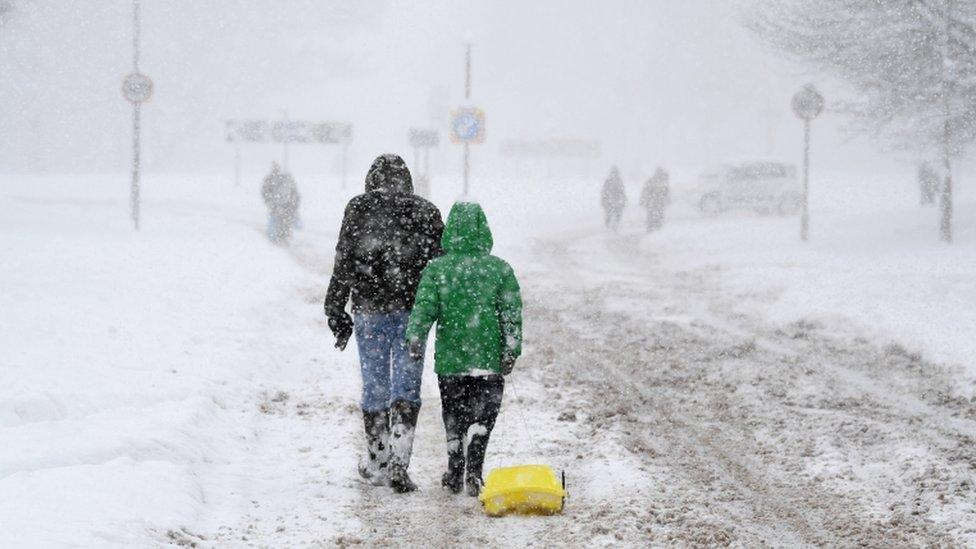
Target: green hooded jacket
(472, 296)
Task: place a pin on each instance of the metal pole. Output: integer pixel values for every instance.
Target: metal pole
(284, 142)
(136, 122)
(345, 154)
(134, 191)
(416, 161)
(805, 216)
(467, 96)
(467, 163)
(467, 72)
(237, 164)
(945, 225)
(427, 163)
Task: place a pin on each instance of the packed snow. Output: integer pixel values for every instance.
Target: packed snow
(178, 385)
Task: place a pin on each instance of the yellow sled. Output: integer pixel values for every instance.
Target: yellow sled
(523, 490)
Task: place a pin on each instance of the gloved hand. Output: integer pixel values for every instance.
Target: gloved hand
(416, 349)
(508, 362)
(341, 327)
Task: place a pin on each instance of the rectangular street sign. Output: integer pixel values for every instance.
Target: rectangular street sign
(424, 138)
(290, 131)
(552, 148)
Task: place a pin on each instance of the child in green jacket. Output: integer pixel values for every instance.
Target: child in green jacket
(475, 300)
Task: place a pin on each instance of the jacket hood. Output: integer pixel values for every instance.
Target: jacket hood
(467, 231)
(389, 173)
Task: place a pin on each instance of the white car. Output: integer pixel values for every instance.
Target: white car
(762, 186)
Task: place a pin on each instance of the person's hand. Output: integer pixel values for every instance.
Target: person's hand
(508, 363)
(341, 327)
(416, 349)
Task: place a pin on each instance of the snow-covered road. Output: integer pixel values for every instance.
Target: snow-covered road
(178, 386)
(678, 418)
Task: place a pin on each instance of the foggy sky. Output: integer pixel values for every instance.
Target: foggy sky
(678, 83)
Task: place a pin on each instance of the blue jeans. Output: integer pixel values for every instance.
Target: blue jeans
(389, 374)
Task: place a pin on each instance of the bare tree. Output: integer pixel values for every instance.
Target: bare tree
(912, 62)
(6, 7)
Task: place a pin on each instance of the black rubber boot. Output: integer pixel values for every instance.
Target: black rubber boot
(453, 479)
(485, 395)
(454, 412)
(476, 459)
(403, 425)
(373, 467)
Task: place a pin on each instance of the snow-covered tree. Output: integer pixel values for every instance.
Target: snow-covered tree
(6, 7)
(912, 62)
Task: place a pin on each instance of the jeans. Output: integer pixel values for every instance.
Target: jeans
(389, 374)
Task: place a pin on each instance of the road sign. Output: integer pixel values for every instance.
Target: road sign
(137, 88)
(424, 139)
(808, 103)
(468, 125)
(288, 131)
(552, 148)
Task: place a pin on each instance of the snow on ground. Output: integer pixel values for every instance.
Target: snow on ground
(873, 257)
(700, 385)
(131, 360)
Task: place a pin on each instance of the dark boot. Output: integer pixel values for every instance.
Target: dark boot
(486, 401)
(403, 425)
(453, 479)
(455, 413)
(373, 466)
(476, 458)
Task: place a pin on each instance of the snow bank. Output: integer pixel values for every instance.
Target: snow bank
(128, 358)
(874, 257)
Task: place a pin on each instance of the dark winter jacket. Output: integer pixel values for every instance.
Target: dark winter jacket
(656, 194)
(281, 195)
(613, 196)
(473, 297)
(388, 235)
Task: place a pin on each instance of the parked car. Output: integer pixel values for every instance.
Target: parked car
(763, 186)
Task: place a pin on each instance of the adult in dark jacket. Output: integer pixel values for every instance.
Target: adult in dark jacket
(655, 197)
(388, 236)
(280, 194)
(613, 199)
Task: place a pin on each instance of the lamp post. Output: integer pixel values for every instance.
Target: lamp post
(807, 105)
(137, 89)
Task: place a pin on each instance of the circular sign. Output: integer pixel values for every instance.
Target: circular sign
(808, 103)
(137, 87)
(468, 125)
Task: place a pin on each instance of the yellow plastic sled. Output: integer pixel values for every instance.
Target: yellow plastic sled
(523, 490)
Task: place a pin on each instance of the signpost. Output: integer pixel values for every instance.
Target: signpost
(555, 149)
(467, 123)
(423, 139)
(287, 131)
(137, 88)
(467, 127)
(807, 105)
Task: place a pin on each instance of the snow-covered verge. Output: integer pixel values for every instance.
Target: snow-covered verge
(178, 385)
(873, 257)
(134, 363)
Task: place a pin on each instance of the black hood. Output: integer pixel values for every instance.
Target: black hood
(389, 173)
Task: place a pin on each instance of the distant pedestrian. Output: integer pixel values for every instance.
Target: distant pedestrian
(613, 199)
(387, 237)
(655, 198)
(282, 199)
(475, 300)
(928, 182)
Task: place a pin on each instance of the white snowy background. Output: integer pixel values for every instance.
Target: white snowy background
(178, 385)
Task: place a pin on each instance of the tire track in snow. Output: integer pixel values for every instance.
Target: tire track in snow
(812, 519)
